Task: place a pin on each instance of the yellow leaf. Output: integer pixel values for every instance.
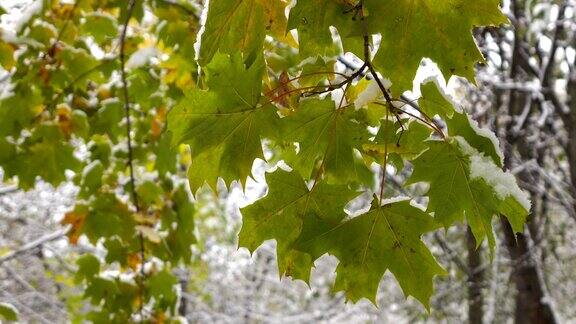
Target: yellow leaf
(76, 219)
(133, 260)
(7, 60)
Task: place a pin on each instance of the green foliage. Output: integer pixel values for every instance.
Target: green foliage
(223, 125)
(284, 212)
(385, 238)
(102, 27)
(330, 135)
(8, 312)
(240, 25)
(42, 154)
(6, 55)
(436, 29)
(254, 93)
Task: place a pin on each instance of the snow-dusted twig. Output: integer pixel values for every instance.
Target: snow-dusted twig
(35, 244)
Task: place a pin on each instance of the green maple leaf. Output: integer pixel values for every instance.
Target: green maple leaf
(107, 119)
(101, 26)
(42, 33)
(8, 311)
(312, 19)
(240, 26)
(7, 60)
(404, 140)
(116, 251)
(19, 110)
(309, 223)
(108, 217)
(328, 134)
(7, 151)
(166, 155)
(88, 268)
(281, 213)
(457, 191)
(481, 139)
(91, 179)
(313, 73)
(45, 154)
(385, 238)
(224, 125)
(161, 287)
(180, 237)
(436, 29)
(99, 289)
(433, 103)
(78, 68)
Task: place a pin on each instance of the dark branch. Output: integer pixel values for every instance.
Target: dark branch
(133, 192)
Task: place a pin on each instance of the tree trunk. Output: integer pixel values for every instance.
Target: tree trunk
(531, 307)
(569, 119)
(475, 281)
(530, 304)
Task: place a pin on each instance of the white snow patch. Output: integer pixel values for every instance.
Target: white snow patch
(504, 183)
(371, 93)
(117, 275)
(34, 9)
(428, 71)
(401, 198)
(393, 200)
(484, 132)
(141, 57)
(415, 204)
(89, 168)
(203, 17)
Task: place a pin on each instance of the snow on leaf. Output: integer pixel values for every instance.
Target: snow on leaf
(458, 189)
(504, 183)
(482, 139)
(141, 57)
(434, 102)
(371, 93)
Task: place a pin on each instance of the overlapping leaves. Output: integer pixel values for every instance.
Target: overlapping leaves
(63, 94)
(309, 223)
(326, 136)
(62, 110)
(224, 125)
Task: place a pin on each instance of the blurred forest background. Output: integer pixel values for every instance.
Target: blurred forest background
(526, 93)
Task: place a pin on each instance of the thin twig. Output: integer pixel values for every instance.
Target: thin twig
(34, 244)
(133, 192)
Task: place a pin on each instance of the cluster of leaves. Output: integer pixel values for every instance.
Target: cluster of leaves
(66, 112)
(258, 90)
(254, 92)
